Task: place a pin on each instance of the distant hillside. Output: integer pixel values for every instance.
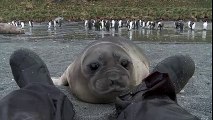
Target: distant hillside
(44, 10)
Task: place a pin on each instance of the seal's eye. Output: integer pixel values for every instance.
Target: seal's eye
(125, 63)
(94, 66)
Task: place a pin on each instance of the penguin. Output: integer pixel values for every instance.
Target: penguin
(148, 24)
(116, 25)
(102, 24)
(160, 25)
(140, 23)
(49, 24)
(22, 25)
(13, 23)
(113, 24)
(181, 24)
(90, 24)
(143, 24)
(137, 24)
(107, 26)
(130, 25)
(97, 25)
(54, 23)
(30, 23)
(189, 22)
(86, 23)
(120, 23)
(205, 24)
(192, 25)
(152, 25)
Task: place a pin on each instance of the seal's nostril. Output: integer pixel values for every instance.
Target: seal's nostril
(114, 82)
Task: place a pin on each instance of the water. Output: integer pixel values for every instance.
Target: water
(77, 31)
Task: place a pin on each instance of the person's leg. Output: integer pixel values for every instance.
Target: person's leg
(38, 98)
(155, 97)
(180, 69)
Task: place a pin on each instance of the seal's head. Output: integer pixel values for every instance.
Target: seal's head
(106, 71)
(106, 68)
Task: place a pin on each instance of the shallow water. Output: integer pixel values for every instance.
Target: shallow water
(77, 31)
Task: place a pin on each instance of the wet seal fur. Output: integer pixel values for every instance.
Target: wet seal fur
(10, 29)
(104, 69)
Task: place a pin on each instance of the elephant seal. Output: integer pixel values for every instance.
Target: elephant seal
(104, 69)
(10, 29)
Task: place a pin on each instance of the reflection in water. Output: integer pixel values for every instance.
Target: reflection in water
(148, 32)
(49, 32)
(79, 31)
(30, 31)
(204, 34)
(139, 32)
(102, 34)
(158, 33)
(55, 31)
(143, 31)
(193, 34)
(119, 32)
(52, 31)
(188, 34)
(113, 32)
(130, 34)
(86, 30)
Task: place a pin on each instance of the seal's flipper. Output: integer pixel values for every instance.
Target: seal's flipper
(60, 81)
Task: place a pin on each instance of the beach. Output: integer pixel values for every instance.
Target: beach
(196, 97)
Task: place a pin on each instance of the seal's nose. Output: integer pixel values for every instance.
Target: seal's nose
(113, 77)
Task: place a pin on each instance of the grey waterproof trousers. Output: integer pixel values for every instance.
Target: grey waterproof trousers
(36, 102)
(153, 100)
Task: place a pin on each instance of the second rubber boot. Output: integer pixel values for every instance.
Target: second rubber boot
(180, 69)
(27, 67)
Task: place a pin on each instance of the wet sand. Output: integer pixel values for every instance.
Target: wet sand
(196, 97)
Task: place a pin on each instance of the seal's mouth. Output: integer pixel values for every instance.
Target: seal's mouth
(104, 86)
(114, 90)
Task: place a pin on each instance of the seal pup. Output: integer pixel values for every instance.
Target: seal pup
(104, 69)
(10, 29)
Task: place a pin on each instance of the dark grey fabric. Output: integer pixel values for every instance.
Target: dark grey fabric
(155, 109)
(36, 102)
(153, 99)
